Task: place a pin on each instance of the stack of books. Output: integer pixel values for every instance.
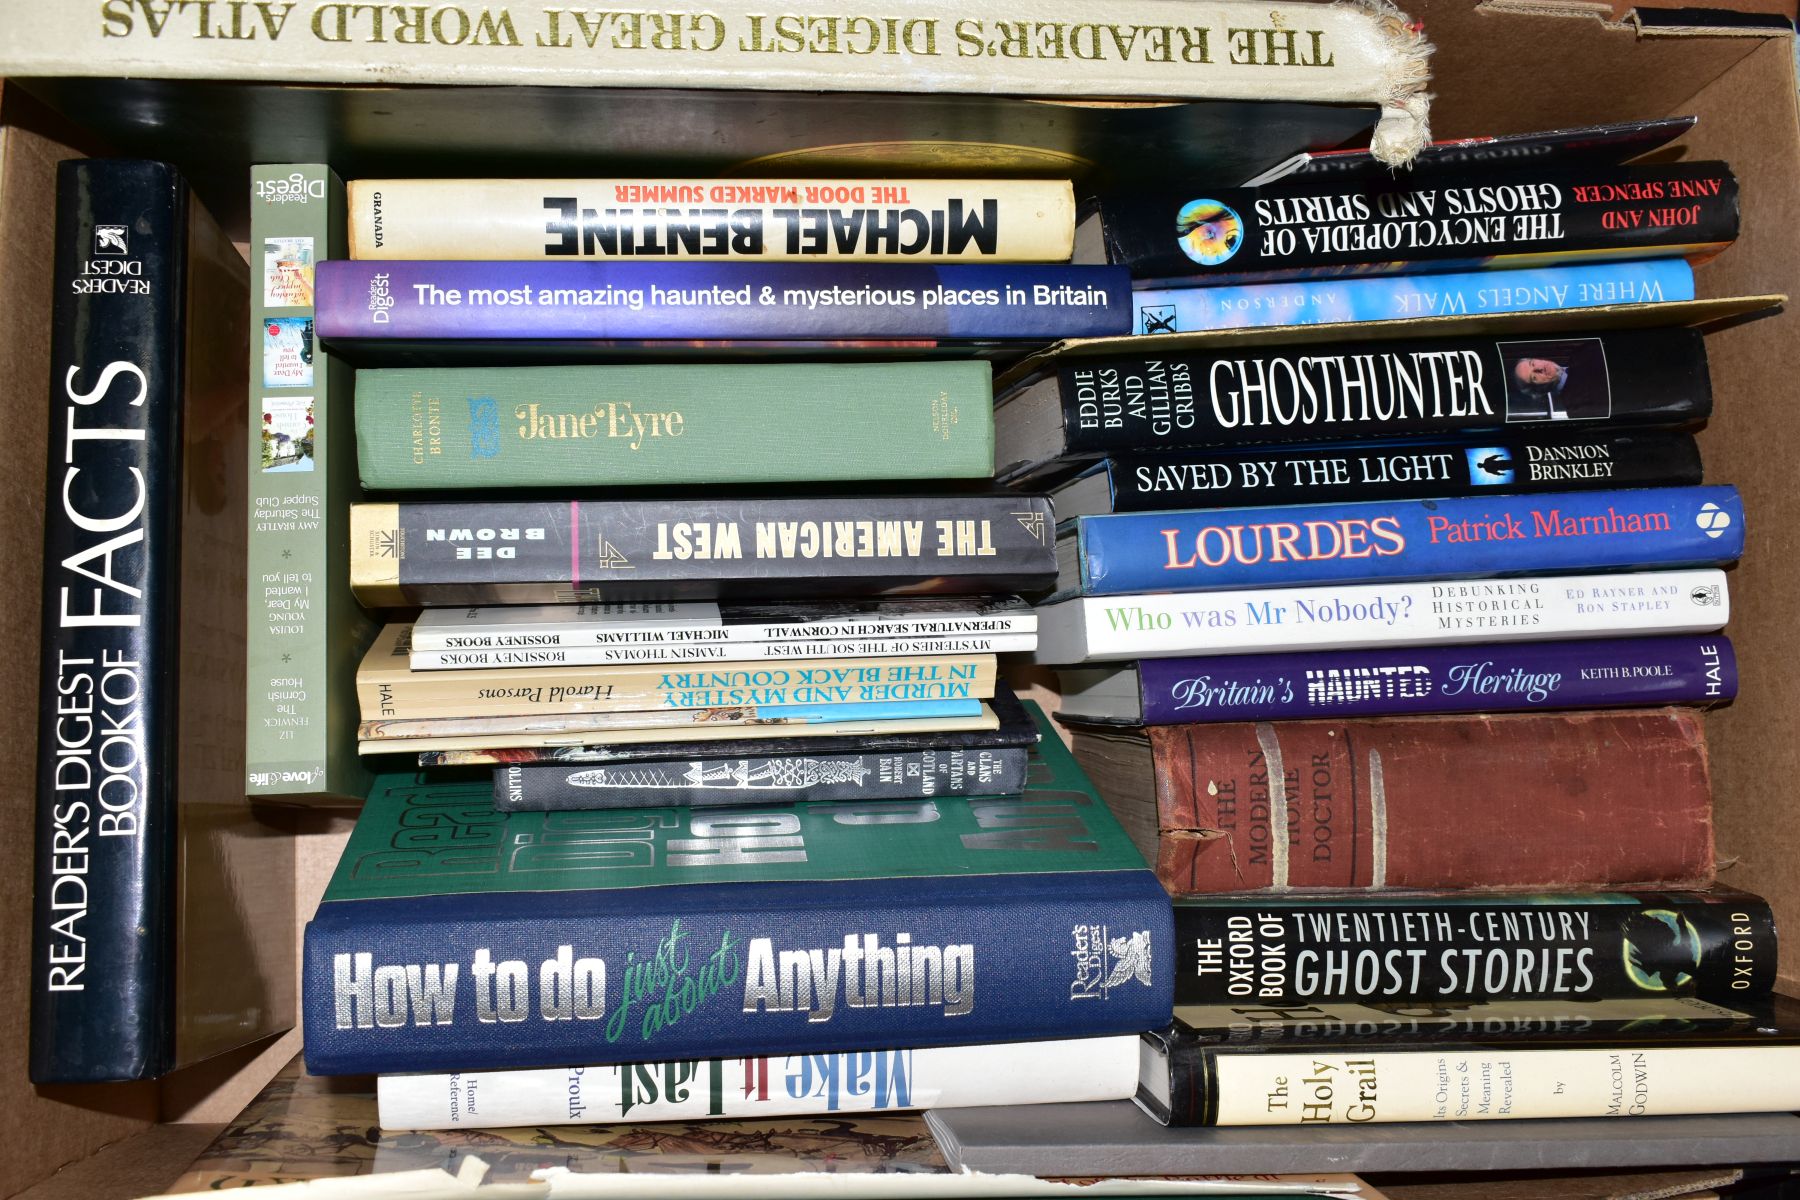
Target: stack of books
(1387, 646)
(760, 831)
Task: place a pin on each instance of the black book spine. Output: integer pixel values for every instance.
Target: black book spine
(1716, 947)
(1389, 225)
(765, 779)
(532, 552)
(102, 942)
(1499, 465)
(1374, 391)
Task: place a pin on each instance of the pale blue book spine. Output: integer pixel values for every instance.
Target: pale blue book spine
(1393, 297)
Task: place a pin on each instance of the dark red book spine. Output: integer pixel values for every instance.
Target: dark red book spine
(1572, 801)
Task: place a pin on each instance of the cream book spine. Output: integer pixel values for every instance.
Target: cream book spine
(1352, 52)
(845, 220)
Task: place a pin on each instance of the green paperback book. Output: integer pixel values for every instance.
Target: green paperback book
(455, 937)
(305, 631)
(749, 423)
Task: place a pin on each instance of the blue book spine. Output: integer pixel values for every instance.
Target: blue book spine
(1325, 301)
(1377, 541)
(514, 979)
(702, 301)
(1516, 677)
(874, 710)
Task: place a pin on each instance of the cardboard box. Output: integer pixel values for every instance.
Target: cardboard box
(1508, 66)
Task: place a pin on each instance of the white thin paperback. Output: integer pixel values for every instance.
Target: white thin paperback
(867, 1081)
(698, 624)
(589, 656)
(481, 743)
(1544, 608)
(1480, 1083)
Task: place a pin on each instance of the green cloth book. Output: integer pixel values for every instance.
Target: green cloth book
(602, 426)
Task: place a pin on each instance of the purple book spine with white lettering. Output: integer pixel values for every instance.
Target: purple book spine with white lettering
(1514, 677)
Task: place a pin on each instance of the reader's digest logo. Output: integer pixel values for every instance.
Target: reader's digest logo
(111, 239)
(1104, 962)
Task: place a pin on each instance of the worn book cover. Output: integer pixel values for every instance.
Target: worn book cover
(1567, 802)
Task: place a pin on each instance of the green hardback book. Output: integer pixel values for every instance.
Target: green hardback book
(633, 934)
(305, 631)
(750, 423)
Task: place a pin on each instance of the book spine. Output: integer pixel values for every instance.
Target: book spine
(1209, 550)
(1388, 298)
(488, 750)
(1369, 391)
(916, 220)
(1012, 728)
(535, 552)
(1451, 612)
(685, 301)
(305, 627)
(1473, 1083)
(1512, 216)
(527, 691)
(102, 962)
(1335, 55)
(475, 427)
(855, 1081)
(1475, 947)
(916, 774)
(1436, 802)
(439, 660)
(1602, 673)
(579, 634)
(672, 722)
(509, 984)
(1500, 465)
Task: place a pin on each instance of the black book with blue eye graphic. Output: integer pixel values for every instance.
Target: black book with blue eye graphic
(1526, 217)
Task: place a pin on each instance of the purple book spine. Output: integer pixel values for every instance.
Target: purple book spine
(782, 301)
(1516, 677)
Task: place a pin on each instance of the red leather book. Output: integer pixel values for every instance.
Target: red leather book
(1564, 802)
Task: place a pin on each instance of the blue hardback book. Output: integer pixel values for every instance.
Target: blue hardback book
(658, 301)
(1468, 537)
(454, 937)
(1325, 301)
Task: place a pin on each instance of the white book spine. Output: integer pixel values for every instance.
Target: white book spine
(751, 219)
(466, 635)
(1097, 629)
(447, 660)
(769, 1086)
(1480, 1083)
